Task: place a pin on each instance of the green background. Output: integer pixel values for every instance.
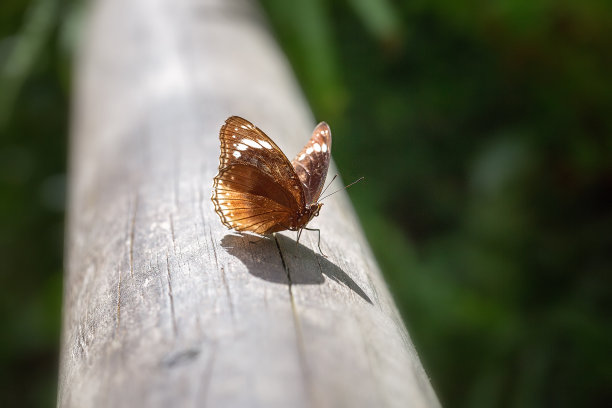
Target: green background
(484, 131)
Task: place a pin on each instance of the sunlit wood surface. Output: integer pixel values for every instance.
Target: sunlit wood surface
(163, 306)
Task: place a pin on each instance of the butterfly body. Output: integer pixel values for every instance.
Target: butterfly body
(258, 189)
(302, 219)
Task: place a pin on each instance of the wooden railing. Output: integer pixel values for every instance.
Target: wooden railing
(163, 306)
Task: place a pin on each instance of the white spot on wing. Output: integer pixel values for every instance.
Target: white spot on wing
(317, 147)
(251, 143)
(324, 147)
(240, 146)
(302, 157)
(309, 150)
(265, 144)
(236, 154)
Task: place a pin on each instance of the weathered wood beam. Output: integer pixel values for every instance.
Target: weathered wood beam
(163, 307)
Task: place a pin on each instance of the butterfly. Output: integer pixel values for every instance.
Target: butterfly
(258, 189)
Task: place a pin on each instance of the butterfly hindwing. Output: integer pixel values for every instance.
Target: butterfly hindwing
(312, 163)
(239, 203)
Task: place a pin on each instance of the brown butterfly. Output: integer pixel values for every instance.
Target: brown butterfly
(258, 189)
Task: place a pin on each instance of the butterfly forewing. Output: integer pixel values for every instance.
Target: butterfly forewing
(257, 189)
(243, 143)
(312, 163)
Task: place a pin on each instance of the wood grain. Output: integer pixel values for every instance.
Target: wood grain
(163, 307)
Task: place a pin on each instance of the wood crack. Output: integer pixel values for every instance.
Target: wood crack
(177, 252)
(201, 207)
(212, 242)
(170, 295)
(119, 300)
(297, 325)
(172, 233)
(132, 233)
(227, 291)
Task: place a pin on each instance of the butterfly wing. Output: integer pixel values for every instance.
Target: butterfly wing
(312, 163)
(257, 189)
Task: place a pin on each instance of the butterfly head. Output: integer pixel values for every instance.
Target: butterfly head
(316, 207)
(313, 211)
(304, 217)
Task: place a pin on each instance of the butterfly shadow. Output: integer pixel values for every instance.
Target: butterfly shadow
(278, 259)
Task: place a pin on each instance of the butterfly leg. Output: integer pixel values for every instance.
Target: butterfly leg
(299, 234)
(319, 241)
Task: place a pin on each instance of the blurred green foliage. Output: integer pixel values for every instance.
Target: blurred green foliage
(34, 78)
(484, 130)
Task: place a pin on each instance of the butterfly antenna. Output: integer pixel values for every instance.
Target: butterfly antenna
(337, 191)
(330, 183)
